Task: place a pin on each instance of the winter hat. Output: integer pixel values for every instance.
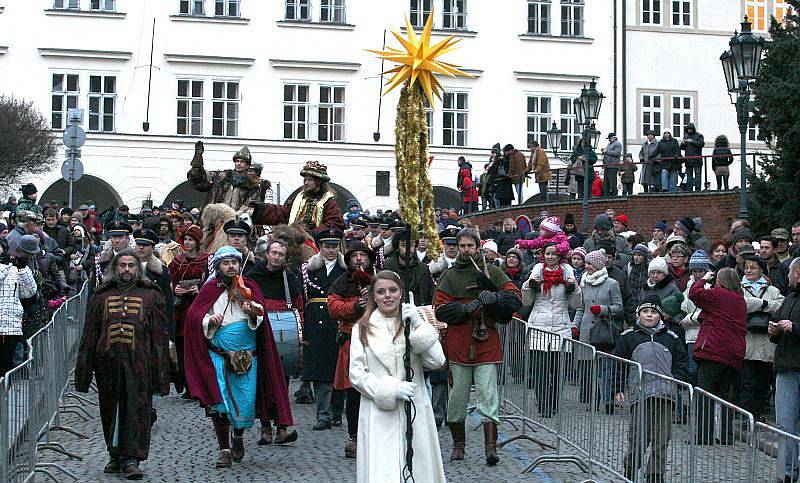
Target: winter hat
(686, 224)
(28, 189)
(741, 233)
(746, 251)
(622, 219)
(641, 249)
(580, 251)
(673, 239)
(660, 225)
(658, 264)
(652, 301)
(602, 221)
(224, 253)
(672, 304)
(195, 232)
(699, 260)
(569, 219)
(758, 260)
(29, 244)
(551, 224)
(490, 245)
(515, 251)
(597, 258)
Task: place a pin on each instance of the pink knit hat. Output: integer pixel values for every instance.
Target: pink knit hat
(580, 251)
(597, 258)
(551, 224)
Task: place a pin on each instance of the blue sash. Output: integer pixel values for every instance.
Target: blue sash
(233, 337)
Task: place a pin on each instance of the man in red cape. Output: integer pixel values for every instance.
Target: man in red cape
(271, 400)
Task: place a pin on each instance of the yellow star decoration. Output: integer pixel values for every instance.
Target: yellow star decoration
(418, 62)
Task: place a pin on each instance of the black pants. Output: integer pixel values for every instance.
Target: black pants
(627, 189)
(179, 376)
(717, 379)
(610, 182)
(722, 180)
(757, 377)
(8, 345)
(353, 398)
(337, 405)
(543, 373)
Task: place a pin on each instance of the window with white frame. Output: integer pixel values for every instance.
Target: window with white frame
(295, 111)
(539, 17)
(572, 18)
(455, 14)
(681, 13)
(651, 12)
(570, 131)
(419, 10)
(780, 10)
(753, 132)
(539, 117)
(102, 102)
(190, 107)
(682, 113)
(103, 5)
(227, 8)
(652, 113)
(756, 11)
(64, 96)
(67, 4)
(330, 113)
(332, 11)
(298, 10)
(225, 108)
(192, 7)
(455, 110)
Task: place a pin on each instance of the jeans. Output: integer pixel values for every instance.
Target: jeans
(543, 190)
(669, 180)
(691, 367)
(322, 396)
(787, 409)
(518, 192)
(486, 203)
(694, 178)
(610, 182)
(722, 180)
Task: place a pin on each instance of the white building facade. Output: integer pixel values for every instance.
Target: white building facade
(291, 79)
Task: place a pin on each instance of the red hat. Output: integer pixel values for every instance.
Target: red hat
(195, 232)
(622, 219)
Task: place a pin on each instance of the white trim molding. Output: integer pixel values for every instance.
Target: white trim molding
(468, 34)
(315, 25)
(476, 73)
(548, 76)
(203, 19)
(556, 38)
(85, 54)
(209, 59)
(314, 64)
(68, 12)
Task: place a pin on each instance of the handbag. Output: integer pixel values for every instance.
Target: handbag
(603, 334)
(758, 322)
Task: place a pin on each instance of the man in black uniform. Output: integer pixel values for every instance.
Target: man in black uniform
(238, 232)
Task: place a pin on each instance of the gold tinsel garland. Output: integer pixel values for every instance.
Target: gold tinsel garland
(411, 153)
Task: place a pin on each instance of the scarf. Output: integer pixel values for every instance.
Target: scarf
(756, 286)
(637, 276)
(594, 279)
(512, 272)
(551, 278)
(651, 330)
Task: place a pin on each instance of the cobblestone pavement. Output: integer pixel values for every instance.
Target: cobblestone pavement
(183, 449)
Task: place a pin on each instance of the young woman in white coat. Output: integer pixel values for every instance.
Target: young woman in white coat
(551, 289)
(377, 372)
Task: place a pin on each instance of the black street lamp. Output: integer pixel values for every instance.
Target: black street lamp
(587, 109)
(554, 135)
(741, 65)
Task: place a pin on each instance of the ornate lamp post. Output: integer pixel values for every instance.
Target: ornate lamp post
(587, 109)
(741, 65)
(554, 135)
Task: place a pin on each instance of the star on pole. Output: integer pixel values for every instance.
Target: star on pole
(418, 60)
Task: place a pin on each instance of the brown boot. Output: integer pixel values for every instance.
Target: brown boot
(284, 436)
(224, 460)
(350, 448)
(490, 441)
(459, 440)
(266, 434)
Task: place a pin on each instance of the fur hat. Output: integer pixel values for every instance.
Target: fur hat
(597, 258)
(244, 155)
(315, 169)
(658, 264)
(551, 224)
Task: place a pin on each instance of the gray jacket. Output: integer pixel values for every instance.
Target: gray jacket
(613, 153)
(607, 295)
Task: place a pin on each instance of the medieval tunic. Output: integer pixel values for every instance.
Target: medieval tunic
(271, 398)
(125, 347)
(343, 306)
(315, 214)
(224, 186)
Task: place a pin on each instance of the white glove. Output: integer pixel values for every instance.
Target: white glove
(411, 315)
(405, 390)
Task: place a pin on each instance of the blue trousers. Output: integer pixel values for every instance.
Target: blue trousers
(787, 413)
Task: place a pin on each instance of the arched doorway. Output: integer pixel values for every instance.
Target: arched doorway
(89, 187)
(184, 191)
(342, 195)
(444, 197)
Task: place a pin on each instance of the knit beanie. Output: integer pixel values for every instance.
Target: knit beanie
(686, 224)
(672, 304)
(28, 189)
(580, 251)
(569, 219)
(699, 260)
(551, 224)
(660, 225)
(622, 219)
(741, 233)
(517, 252)
(641, 249)
(652, 301)
(490, 245)
(597, 258)
(602, 221)
(658, 264)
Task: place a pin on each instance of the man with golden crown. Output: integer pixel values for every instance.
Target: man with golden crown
(236, 187)
(314, 207)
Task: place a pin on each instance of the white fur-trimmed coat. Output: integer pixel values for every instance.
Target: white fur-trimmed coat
(376, 371)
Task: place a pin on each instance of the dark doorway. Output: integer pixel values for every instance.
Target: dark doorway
(184, 191)
(444, 197)
(87, 188)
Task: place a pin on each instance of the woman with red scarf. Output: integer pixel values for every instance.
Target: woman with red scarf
(550, 289)
(513, 267)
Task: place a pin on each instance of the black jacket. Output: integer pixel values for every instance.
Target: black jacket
(501, 183)
(669, 149)
(652, 358)
(421, 283)
(787, 352)
(63, 237)
(505, 240)
(722, 157)
(692, 144)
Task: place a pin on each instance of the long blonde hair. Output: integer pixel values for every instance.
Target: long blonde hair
(365, 326)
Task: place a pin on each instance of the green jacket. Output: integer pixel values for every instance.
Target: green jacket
(27, 204)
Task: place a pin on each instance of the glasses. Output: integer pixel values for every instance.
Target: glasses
(677, 255)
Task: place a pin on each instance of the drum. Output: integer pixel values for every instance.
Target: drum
(429, 315)
(288, 331)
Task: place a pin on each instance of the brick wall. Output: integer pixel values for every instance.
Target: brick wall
(717, 209)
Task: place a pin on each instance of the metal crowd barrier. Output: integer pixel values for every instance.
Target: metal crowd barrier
(33, 394)
(618, 422)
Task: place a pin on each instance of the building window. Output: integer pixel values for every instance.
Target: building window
(652, 113)
(190, 107)
(455, 109)
(225, 108)
(63, 98)
(651, 12)
(67, 4)
(330, 113)
(227, 8)
(332, 11)
(756, 10)
(753, 133)
(429, 118)
(295, 111)
(681, 114)
(781, 10)
(572, 18)
(571, 133)
(419, 12)
(455, 14)
(540, 111)
(681, 13)
(539, 17)
(382, 187)
(298, 10)
(192, 7)
(104, 5)
(102, 102)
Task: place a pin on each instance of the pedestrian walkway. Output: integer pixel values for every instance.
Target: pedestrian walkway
(183, 449)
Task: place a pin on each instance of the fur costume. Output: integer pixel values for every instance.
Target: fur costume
(213, 219)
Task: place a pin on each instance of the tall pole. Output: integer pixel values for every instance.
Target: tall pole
(743, 115)
(146, 123)
(586, 170)
(71, 174)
